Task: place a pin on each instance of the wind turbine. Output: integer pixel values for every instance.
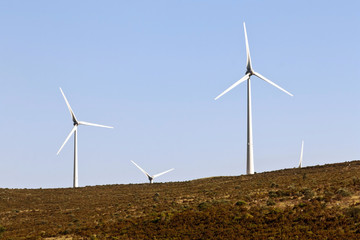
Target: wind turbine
(301, 154)
(74, 131)
(249, 72)
(151, 178)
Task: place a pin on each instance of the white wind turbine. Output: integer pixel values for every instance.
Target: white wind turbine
(151, 178)
(74, 131)
(249, 72)
(301, 154)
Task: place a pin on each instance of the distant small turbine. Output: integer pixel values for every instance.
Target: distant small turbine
(74, 131)
(148, 175)
(301, 154)
(249, 72)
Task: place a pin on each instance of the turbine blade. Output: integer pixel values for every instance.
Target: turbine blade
(270, 82)
(72, 131)
(148, 175)
(68, 105)
(93, 124)
(301, 154)
(248, 58)
(244, 78)
(159, 174)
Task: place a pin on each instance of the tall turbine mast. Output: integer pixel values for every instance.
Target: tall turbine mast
(76, 123)
(249, 72)
(301, 154)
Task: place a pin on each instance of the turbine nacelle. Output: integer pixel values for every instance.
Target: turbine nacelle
(250, 72)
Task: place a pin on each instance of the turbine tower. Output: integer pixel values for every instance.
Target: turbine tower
(151, 178)
(301, 154)
(76, 123)
(249, 72)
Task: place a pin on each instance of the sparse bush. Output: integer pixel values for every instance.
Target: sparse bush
(156, 197)
(343, 192)
(292, 188)
(156, 220)
(2, 230)
(247, 216)
(356, 181)
(204, 205)
(238, 219)
(273, 194)
(283, 193)
(302, 204)
(353, 212)
(328, 194)
(320, 198)
(304, 176)
(240, 203)
(242, 217)
(66, 231)
(248, 198)
(270, 202)
(308, 193)
(279, 193)
(93, 237)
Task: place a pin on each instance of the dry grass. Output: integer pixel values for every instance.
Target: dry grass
(321, 202)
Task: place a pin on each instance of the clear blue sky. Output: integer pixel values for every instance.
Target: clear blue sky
(152, 69)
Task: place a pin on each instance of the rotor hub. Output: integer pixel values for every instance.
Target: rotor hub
(250, 72)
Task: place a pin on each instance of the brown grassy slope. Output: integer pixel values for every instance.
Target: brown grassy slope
(321, 202)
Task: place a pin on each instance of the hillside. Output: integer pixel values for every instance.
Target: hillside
(321, 202)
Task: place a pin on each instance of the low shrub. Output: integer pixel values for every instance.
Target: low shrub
(343, 192)
(353, 212)
(204, 205)
(273, 194)
(308, 193)
(356, 181)
(2, 230)
(270, 202)
(240, 203)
